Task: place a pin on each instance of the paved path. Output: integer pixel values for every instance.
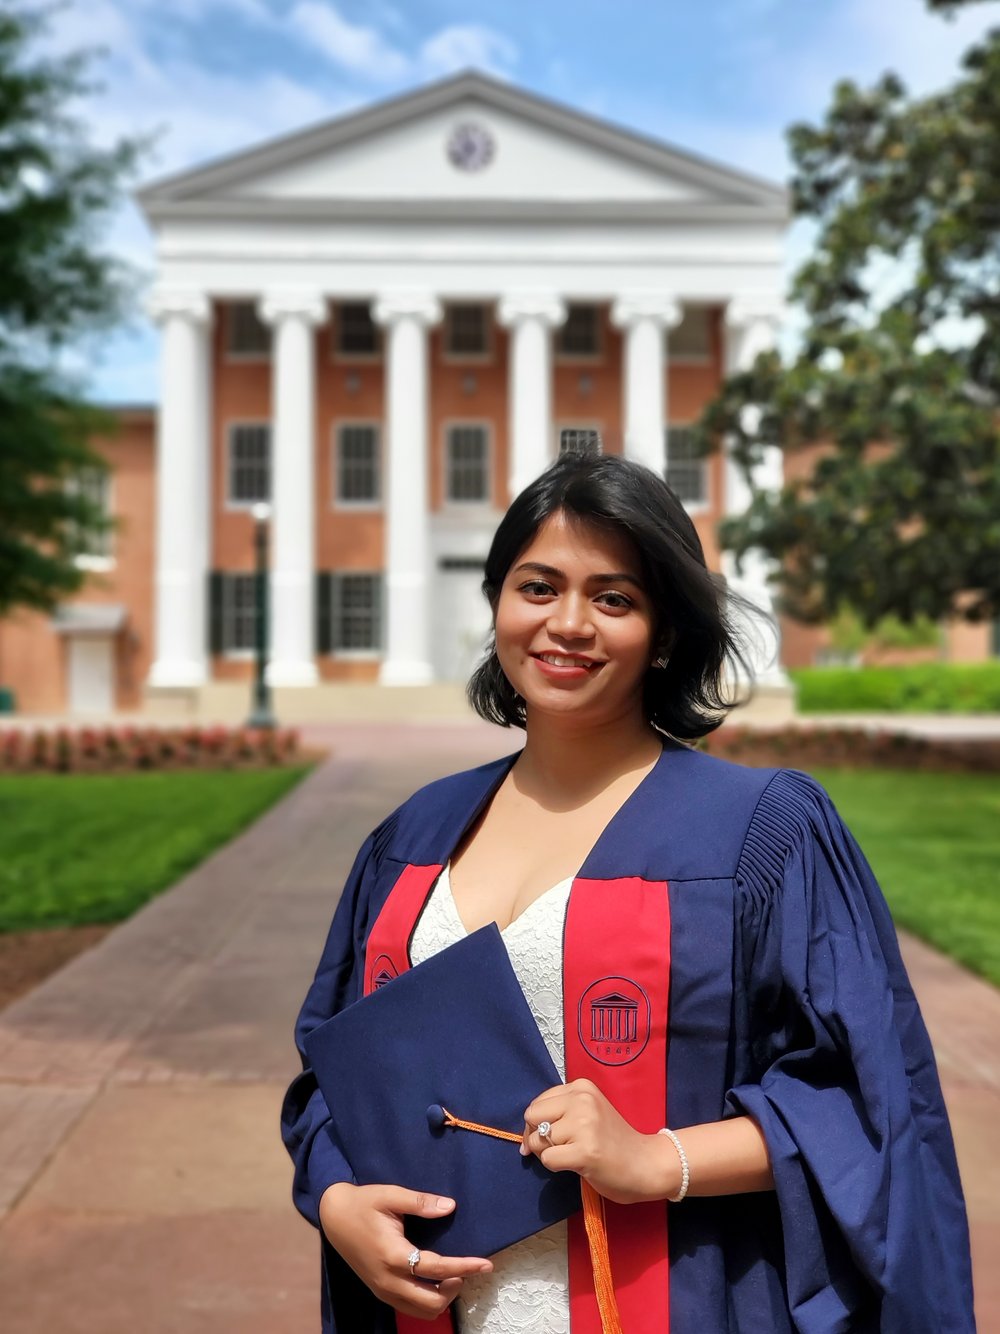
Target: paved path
(143, 1187)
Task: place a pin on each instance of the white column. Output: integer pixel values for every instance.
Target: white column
(646, 321)
(294, 317)
(183, 472)
(531, 317)
(406, 318)
(751, 327)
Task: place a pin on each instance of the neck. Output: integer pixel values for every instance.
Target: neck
(563, 757)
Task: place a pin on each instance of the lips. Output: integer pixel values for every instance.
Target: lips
(566, 660)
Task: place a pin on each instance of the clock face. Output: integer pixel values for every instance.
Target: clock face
(470, 147)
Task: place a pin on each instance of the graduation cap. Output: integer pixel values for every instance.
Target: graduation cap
(453, 1035)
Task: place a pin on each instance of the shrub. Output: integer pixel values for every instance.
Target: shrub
(927, 687)
(804, 747)
(88, 750)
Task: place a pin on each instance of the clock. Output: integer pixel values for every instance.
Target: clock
(470, 147)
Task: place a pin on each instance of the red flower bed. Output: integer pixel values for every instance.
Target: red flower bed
(113, 749)
(851, 747)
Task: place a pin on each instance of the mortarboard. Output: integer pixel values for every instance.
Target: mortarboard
(454, 1032)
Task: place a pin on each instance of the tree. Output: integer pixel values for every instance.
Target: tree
(56, 289)
(901, 513)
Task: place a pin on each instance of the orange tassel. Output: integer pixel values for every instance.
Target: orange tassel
(594, 1222)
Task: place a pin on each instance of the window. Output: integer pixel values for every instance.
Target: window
(467, 331)
(686, 472)
(357, 334)
(233, 605)
(579, 440)
(249, 463)
(357, 465)
(690, 340)
(580, 335)
(94, 484)
(246, 333)
(467, 464)
(354, 607)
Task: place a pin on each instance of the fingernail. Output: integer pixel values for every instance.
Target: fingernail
(443, 1203)
(522, 1150)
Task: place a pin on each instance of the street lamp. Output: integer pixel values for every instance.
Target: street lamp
(260, 709)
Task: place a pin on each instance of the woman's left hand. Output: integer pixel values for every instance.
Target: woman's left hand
(587, 1135)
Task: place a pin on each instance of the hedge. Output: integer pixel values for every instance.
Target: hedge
(926, 687)
(113, 749)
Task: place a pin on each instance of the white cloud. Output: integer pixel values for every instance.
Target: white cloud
(467, 46)
(362, 50)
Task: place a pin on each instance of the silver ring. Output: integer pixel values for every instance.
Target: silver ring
(413, 1261)
(544, 1129)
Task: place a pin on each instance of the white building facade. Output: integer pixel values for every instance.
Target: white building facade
(420, 303)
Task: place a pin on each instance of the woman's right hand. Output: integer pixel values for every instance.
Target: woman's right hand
(364, 1224)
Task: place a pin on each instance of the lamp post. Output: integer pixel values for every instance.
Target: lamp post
(260, 710)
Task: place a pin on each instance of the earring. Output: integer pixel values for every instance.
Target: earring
(661, 661)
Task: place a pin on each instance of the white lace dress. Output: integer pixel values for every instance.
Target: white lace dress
(528, 1291)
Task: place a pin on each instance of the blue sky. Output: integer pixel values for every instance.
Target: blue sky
(719, 77)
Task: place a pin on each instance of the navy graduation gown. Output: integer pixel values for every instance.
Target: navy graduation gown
(788, 1002)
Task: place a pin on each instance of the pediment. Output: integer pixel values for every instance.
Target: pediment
(396, 155)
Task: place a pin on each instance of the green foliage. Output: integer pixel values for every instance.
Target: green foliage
(901, 514)
(934, 843)
(57, 288)
(926, 687)
(849, 634)
(77, 849)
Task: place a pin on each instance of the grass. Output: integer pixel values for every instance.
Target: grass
(934, 842)
(77, 849)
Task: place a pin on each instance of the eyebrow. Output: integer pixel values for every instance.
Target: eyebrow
(618, 577)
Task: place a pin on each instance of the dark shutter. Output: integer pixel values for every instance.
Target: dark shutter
(215, 643)
(324, 609)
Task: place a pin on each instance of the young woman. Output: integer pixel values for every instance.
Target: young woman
(705, 952)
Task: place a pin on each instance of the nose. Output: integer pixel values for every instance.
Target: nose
(571, 617)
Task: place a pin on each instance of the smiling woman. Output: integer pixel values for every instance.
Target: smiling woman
(706, 956)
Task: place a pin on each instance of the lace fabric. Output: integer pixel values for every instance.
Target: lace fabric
(528, 1291)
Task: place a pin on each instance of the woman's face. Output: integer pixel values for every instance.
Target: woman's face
(574, 624)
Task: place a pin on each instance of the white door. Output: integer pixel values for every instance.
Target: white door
(91, 674)
(461, 618)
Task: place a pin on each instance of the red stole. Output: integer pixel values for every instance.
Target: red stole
(616, 979)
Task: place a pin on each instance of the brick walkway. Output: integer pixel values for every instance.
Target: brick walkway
(143, 1187)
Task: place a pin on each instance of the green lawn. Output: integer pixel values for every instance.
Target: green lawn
(934, 843)
(83, 848)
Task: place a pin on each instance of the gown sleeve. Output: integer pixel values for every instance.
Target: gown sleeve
(305, 1118)
(841, 1079)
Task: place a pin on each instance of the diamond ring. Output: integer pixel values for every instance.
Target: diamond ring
(544, 1129)
(413, 1261)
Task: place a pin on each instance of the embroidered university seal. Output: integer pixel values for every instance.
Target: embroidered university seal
(614, 1020)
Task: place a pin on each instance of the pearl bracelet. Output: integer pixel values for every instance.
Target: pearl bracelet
(685, 1170)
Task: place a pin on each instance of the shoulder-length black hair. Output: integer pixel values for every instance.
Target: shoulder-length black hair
(694, 691)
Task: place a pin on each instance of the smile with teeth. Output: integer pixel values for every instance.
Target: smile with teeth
(563, 660)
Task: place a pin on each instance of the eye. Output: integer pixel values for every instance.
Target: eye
(536, 588)
(615, 601)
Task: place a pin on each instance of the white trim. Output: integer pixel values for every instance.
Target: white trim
(591, 424)
(356, 506)
(560, 358)
(337, 357)
(230, 506)
(95, 564)
(628, 145)
(358, 654)
(692, 507)
(468, 506)
(229, 357)
(486, 358)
